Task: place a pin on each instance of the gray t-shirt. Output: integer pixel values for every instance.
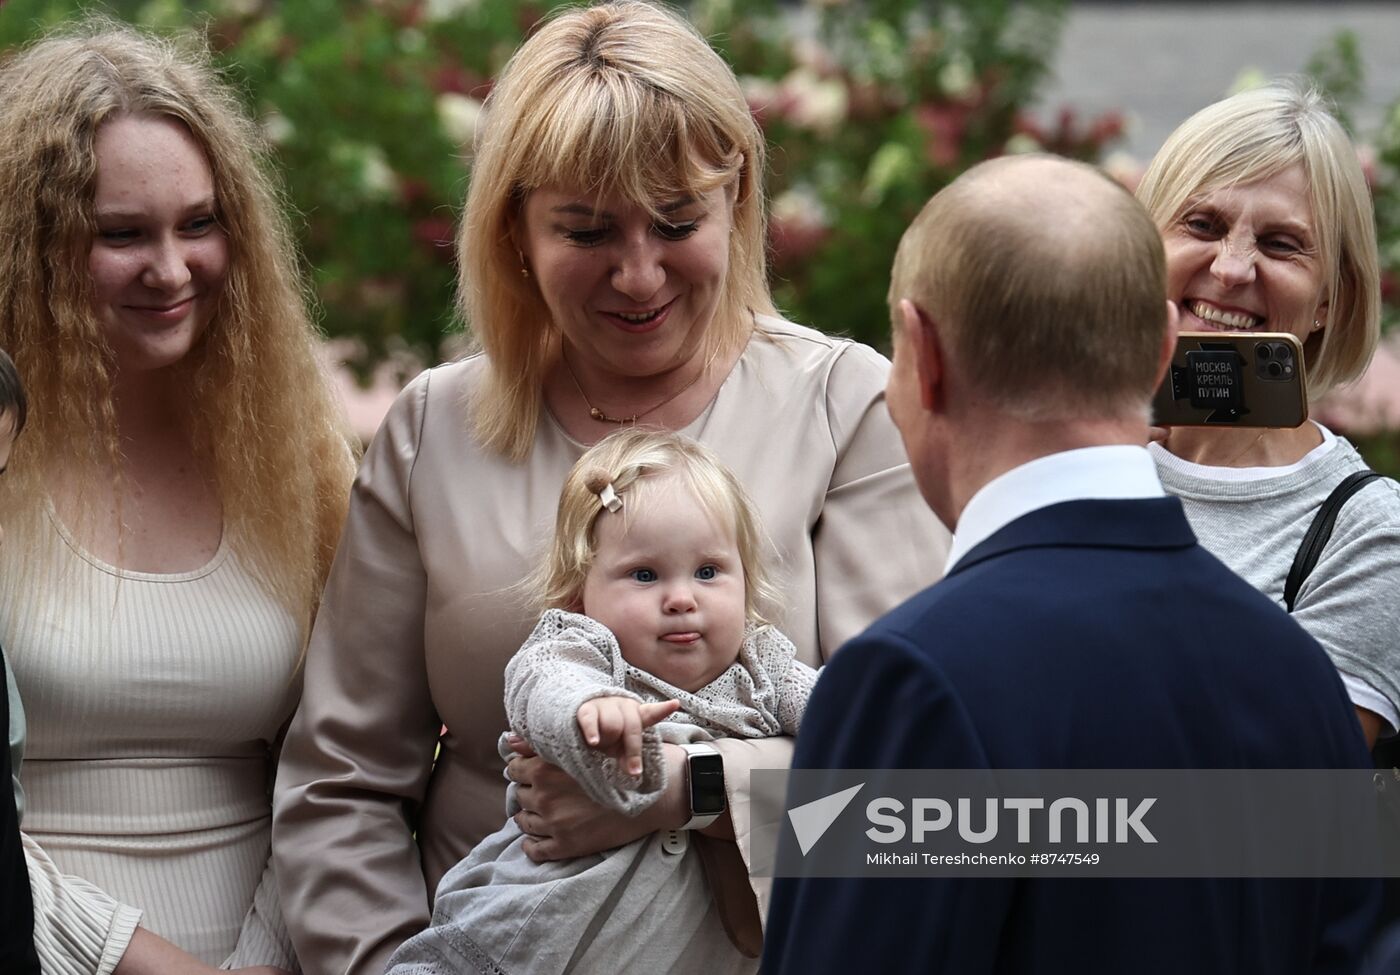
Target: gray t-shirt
(1254, 519)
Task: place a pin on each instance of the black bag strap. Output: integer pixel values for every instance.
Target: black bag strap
(1321, 530)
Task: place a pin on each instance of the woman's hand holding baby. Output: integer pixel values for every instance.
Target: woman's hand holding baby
(562, 822)
(614, 725)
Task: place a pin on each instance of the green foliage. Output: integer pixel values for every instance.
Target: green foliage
(1384, 172)
(1381, 450)
(870, 108)
(1336, 70)
(884, 105)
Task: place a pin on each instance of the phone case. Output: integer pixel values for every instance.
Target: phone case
(1242, 379)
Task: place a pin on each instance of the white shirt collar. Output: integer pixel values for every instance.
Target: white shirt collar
(1087, 473)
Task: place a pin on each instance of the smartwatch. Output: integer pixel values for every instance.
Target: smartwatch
(704, 773)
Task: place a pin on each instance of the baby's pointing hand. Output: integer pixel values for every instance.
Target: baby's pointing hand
(614, 725)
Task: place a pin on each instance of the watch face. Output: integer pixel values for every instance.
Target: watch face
(706, 785)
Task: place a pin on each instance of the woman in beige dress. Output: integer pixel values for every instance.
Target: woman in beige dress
(171, 510)
(612, 255)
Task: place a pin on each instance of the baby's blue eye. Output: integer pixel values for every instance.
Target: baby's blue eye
(706, 572)
(644, 575)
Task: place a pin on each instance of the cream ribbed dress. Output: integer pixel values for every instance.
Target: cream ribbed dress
(153, 701)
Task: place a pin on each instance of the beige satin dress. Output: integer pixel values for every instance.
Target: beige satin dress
(418, 620)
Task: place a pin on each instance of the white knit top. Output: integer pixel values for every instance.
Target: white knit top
(153, 701)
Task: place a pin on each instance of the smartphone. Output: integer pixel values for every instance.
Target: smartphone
(1242, 379)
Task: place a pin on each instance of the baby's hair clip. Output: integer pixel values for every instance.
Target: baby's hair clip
(600, 484)
(610, 499)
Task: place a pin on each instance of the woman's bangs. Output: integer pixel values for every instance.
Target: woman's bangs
(647, 154)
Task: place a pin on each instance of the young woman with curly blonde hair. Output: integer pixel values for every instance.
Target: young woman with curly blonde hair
(174, 504)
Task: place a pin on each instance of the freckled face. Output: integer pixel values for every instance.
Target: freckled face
(669, 583)
(1247, 258)
(159, 258)
(632, 295)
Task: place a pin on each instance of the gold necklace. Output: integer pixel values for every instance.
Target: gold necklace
(602, 417)
(1233, 460)
(1247, 448)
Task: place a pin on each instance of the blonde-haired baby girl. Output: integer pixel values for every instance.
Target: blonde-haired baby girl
(655, 587)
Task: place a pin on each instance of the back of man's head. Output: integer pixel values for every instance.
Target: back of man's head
(1047, 284)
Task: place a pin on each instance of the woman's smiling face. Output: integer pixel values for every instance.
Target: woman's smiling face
(633, 295)
(159, 258)
(1246, 257)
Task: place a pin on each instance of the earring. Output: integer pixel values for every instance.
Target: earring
(524, 271)
(1317, 325)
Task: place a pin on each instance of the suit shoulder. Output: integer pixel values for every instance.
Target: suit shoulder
(885, 701)
(930, 620)
(912, 637)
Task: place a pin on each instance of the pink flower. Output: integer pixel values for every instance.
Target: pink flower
(790, 242)
(1366, 155)
(453, 78)
(1372, 403)
(365, 404)
(797, 228)
(945, 124)
(436, 233)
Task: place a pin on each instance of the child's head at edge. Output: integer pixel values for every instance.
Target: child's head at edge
(14, 409)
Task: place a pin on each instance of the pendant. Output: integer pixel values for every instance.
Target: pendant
(602, 417)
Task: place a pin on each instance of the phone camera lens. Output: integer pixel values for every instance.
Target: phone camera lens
(1275, 370)
(1284, 352)
(1263, 351)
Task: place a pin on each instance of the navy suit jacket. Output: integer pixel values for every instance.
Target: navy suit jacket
(1087, 634)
